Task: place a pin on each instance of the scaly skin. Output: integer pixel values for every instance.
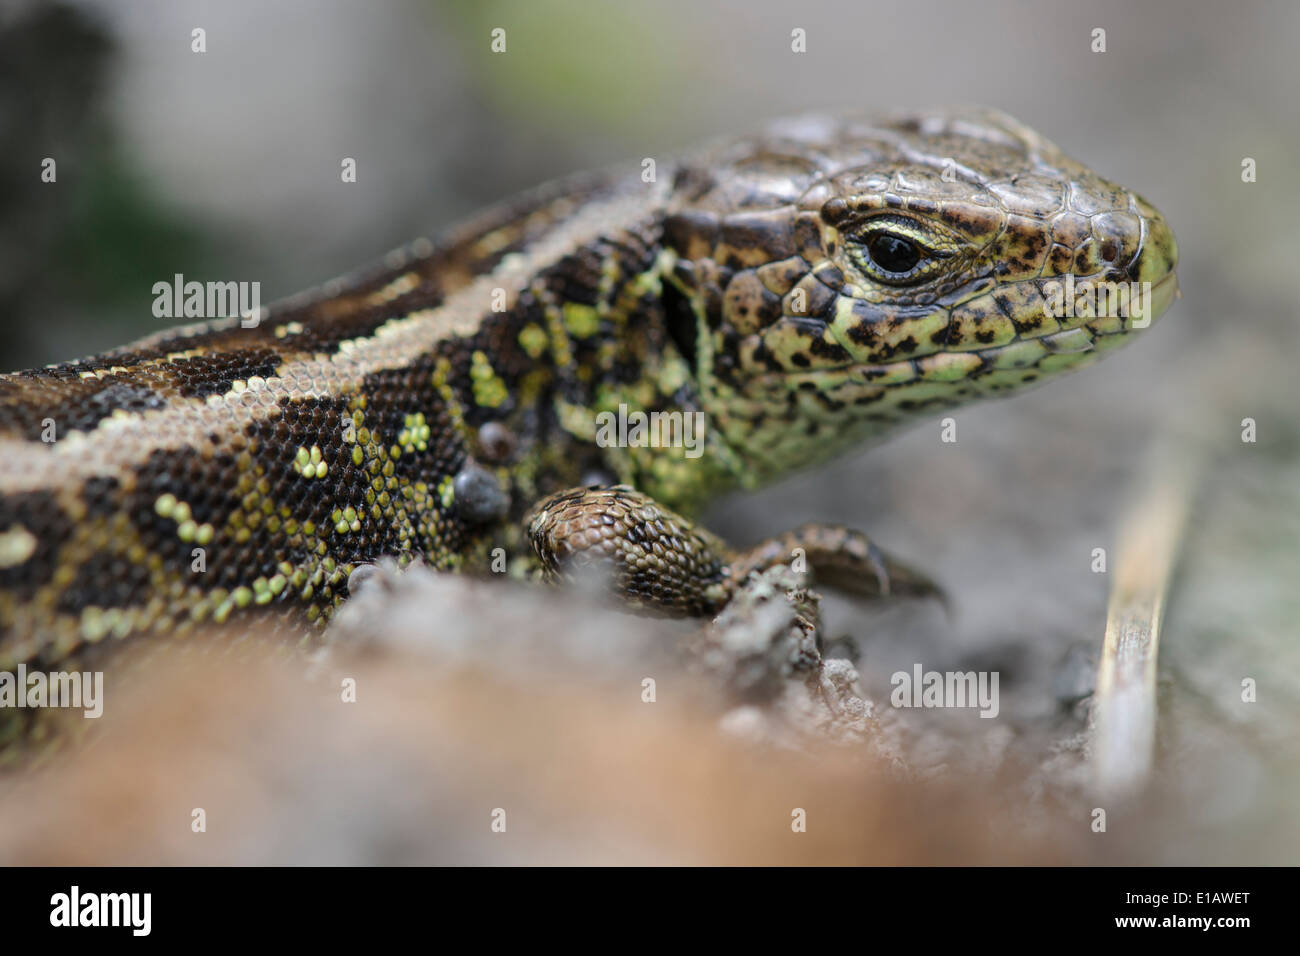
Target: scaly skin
(211, 472)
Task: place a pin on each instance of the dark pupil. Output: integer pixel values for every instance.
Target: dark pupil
(892, 253)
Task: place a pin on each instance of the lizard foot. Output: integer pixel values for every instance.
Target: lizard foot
(657, 560)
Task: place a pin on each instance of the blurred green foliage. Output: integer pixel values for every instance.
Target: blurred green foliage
(81, 252)
(629, 52)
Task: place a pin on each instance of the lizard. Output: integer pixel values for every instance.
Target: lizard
(807, 290)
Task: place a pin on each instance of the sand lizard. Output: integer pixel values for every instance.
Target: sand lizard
(807, 289)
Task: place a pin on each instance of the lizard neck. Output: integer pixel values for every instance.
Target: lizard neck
(631, 385)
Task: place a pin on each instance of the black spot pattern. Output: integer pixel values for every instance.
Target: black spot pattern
(203, 375)
(39, 513)
(105, 580)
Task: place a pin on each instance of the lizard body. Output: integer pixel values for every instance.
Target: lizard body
(807, 290)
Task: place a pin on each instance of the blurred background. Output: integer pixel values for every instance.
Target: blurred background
(226, 165)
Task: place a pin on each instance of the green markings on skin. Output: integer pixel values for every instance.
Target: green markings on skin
(948, 366)
(16, 545)
(187, 529)
(98, 623)
(582, 321)
(440, 380)
(345, 520)
(489, 390)
(887, 337)
(219, 603)
(673, 375)
(1016, 355)
(318, 579)
(638, 396)
(199, 534)
(309, 464)
(786, 339)
(415, 435)
(352, 435)
(533, 340)
(266, 589)
(970, 331)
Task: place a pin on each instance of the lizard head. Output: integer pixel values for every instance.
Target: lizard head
(835, 279)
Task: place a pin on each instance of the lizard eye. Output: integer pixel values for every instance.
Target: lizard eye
(893, 253)
(898, 251)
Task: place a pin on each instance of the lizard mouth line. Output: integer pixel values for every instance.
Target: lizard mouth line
(956, 364)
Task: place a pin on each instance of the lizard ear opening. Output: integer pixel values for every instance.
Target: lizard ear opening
(680, 321)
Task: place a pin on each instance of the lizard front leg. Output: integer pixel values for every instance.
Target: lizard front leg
(658, 560)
